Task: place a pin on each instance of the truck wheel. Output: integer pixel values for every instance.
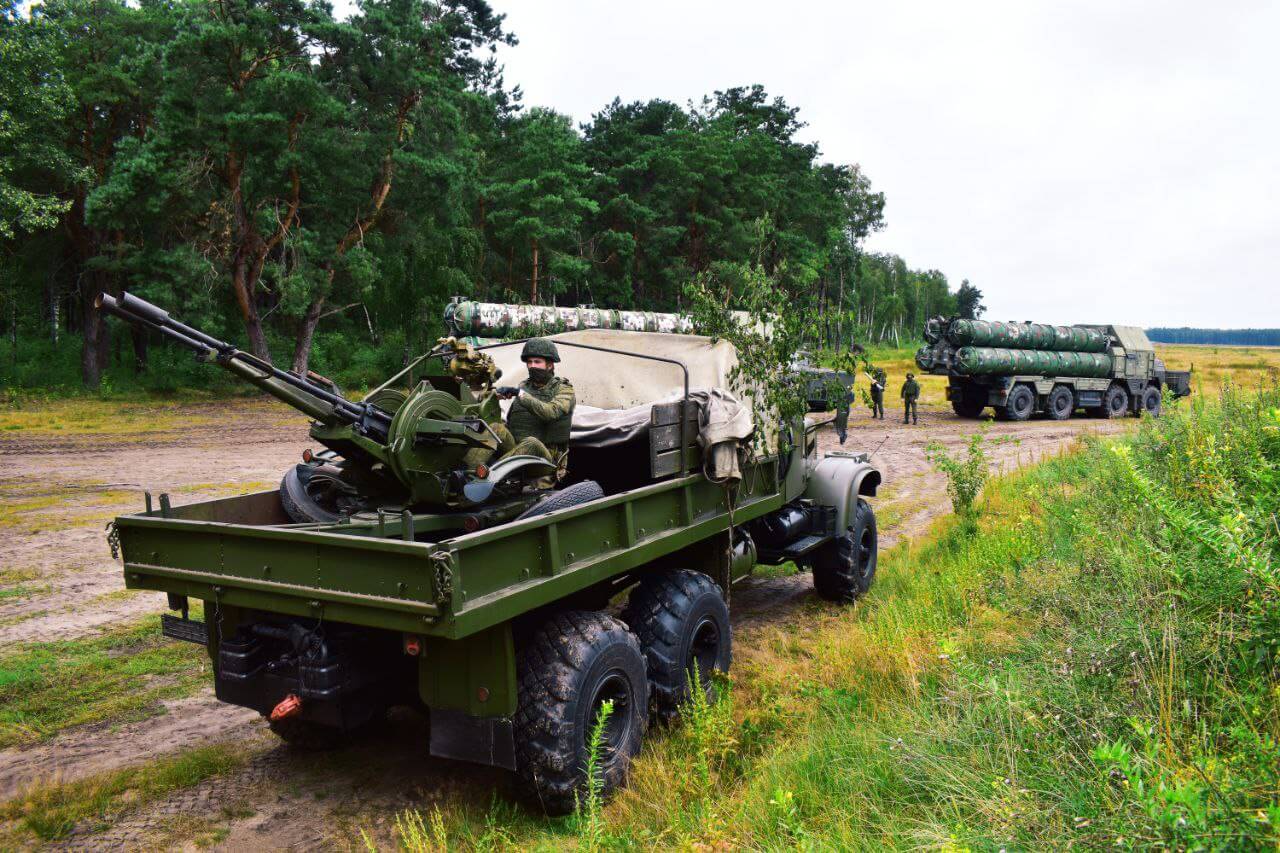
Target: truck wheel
(1020, 404)
(1152, 401)
(1115, 403)
(569, 668)
(846, 568)
(578, 493)
(303, 493)
(306, 736)
(682, 622)
(1061, 403)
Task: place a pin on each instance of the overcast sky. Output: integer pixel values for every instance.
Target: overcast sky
(1079, 162)
(1105, 161)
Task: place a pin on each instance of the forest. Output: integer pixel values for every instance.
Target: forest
(316, 189)
(1222, 337)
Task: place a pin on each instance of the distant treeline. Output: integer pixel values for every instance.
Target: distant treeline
(1223, 337)
(317, 189)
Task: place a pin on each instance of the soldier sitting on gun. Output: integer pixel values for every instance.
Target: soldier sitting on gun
(541, 407)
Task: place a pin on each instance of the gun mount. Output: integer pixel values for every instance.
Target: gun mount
(394, 448)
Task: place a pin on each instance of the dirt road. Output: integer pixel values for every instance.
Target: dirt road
(59, 492)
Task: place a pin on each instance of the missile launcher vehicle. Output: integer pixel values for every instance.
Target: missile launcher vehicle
(1021, 369)
(451, 581)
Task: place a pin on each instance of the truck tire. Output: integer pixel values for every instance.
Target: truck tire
(1152, 401)
(1060, 403)
(846, 568)
(682, 621)
(578, 493)
(1115, 403)
(297, 499)
(1021, 404)
(571, 665)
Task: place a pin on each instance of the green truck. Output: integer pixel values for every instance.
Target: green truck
(1021, 369)
(402, 566)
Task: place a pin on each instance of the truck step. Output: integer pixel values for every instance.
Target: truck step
(804, 545)
(188, 630)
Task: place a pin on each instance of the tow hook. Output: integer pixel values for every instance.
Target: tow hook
(290, 706)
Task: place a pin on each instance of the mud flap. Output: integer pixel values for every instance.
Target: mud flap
(480, 740)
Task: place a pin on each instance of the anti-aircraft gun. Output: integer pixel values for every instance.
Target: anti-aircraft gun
(432, 447)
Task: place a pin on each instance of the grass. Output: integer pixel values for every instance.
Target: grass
(90, 416)
(51, 811)
(1210, 366)
(119, 676)
(1089, 660)
(45, 505)
(15, 592)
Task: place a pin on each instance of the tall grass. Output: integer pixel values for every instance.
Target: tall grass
(1090, 660)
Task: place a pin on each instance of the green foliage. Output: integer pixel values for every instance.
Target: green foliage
(587, 819)
(34, 101)
(768, 332)
(969, 301)
(965, 475)
(316, 189)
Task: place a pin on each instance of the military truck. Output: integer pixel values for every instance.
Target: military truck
(447, 580)
(1021, 369)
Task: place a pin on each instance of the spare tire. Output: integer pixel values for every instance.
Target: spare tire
(299, 502)
(578, 493)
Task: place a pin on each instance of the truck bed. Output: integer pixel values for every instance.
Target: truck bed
(382, 572)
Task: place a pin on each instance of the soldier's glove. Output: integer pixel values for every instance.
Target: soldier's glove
(506, 392)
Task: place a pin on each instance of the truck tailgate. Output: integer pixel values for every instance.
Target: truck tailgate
(363, 580)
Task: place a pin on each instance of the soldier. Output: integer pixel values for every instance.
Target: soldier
(842, 413)
(877, 394)
(542, 407)
(910, 393)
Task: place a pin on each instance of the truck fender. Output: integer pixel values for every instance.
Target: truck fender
(838, 480)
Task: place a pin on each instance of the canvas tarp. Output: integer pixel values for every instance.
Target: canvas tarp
(606, 380)
(616, 392)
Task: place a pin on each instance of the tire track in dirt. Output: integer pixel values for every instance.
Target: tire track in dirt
(97, 477)
(102, 748)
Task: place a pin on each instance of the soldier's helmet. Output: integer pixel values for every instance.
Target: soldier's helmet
(911, 376)
(539, 348)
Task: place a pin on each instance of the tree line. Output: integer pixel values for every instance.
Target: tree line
(318, 188)
(1223, 337)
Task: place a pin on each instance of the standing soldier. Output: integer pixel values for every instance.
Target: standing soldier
(541, 410)
(910, 393)
(877, 394)
(842, 412)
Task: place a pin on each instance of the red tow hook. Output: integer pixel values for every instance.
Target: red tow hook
(290, 706)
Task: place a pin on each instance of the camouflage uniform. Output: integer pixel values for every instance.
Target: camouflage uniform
(539, 419)
(842, 414)
(877, 395)
(910, 393)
